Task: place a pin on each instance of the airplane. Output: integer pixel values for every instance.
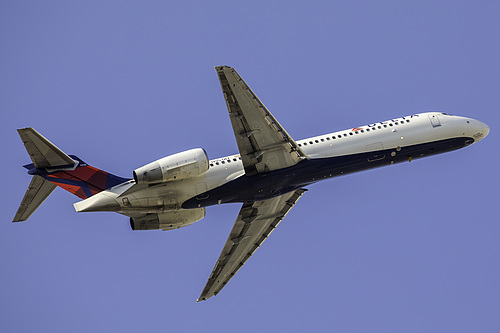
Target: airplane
(268, 176)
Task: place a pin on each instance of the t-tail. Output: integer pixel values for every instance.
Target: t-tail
(51, 167)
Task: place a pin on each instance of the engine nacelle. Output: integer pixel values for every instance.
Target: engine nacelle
(182, 165)
(168, 220)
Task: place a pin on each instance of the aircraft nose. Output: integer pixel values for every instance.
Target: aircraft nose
(486, 129)
(475, 129)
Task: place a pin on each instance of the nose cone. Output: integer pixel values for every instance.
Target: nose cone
(486, 130)
(470, 128)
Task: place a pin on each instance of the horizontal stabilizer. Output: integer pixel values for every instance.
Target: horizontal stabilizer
(43, 153)
(38, 190)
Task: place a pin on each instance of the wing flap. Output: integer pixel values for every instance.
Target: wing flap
(38, 190)
(263, 143)
(254, 224)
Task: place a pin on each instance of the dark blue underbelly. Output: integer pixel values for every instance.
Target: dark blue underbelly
(275, 183)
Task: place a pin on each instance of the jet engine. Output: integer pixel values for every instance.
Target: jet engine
(182, 165)
(168, 220)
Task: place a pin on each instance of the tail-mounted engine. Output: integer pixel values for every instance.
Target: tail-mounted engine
(182, 165)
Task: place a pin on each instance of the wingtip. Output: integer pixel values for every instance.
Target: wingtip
(24, 129)
(221, 67)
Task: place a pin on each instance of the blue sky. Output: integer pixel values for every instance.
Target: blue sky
(413, 247)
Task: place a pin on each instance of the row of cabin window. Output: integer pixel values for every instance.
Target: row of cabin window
(223, 162)
(356, 132)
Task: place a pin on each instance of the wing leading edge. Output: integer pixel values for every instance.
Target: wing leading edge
(255, 222)
(263, 143)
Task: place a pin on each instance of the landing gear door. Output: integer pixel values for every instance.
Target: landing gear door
(434, 120)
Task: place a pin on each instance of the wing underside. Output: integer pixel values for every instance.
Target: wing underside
(255, 222)
(263, 143)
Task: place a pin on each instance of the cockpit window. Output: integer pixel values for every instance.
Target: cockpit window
(445, 114)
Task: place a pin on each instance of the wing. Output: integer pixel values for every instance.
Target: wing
(263, 143)
(38, 190)
(255, 222)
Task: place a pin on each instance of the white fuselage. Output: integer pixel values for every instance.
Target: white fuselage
(394, 134)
